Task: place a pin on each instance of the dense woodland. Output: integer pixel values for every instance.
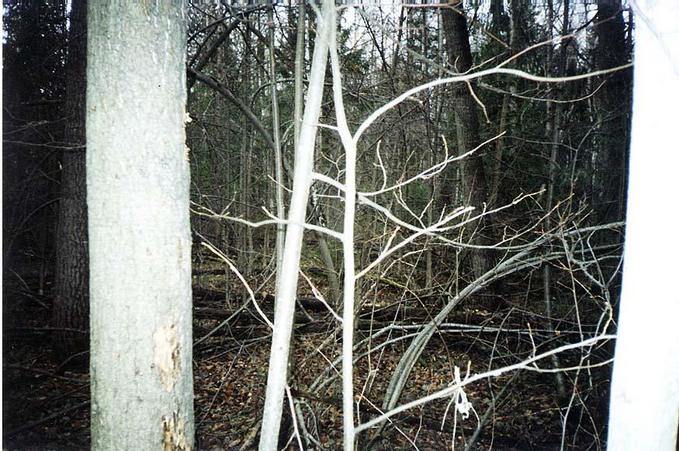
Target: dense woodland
(462, 212)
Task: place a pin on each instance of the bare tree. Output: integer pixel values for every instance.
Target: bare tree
(140, 242)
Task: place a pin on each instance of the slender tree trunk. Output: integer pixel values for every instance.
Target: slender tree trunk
(644, 411)
(246, 240)
(70, 314)
(554, 137)
(140, 241)
(285, 304)
(278, 160)
(299, 71)
(348, 246)
(324, 249)
(331, 273)
(517, 8)
(438, 115)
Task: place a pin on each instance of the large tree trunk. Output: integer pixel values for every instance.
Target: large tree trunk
(644, 410)
(71, 302)
(613, 108)
(474, 186)
(140, 241)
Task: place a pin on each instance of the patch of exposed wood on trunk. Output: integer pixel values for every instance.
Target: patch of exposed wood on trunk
(166, 355)
(174, 434)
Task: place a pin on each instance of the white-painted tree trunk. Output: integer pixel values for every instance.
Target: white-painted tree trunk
(140, 241)
(287, 287)
(645, 390)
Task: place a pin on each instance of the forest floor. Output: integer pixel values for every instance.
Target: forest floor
(47, 408)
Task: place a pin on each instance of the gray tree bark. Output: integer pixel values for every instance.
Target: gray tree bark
(474, 184)
(71, 301)
(140, 241)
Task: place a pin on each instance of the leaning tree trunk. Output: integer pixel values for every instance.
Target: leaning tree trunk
(287, 289)
(474, 186)
(70, 310)
(140, 241)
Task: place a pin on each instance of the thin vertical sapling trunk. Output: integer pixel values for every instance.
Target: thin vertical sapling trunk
(280, 207)
(246, 245)
(349, 144)
(285, 303)
(554, 129)
(516, 8)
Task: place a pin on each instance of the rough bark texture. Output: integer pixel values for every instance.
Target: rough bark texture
(613, 108)
(474, 187)
(140, 241)
(71, 301)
